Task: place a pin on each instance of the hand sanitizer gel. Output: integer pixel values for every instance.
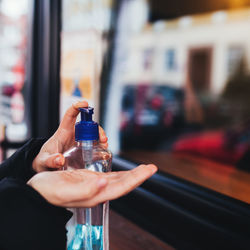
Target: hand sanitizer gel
(88, 228)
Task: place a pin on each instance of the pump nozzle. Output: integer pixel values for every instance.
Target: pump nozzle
(86, 129)
(86, 113)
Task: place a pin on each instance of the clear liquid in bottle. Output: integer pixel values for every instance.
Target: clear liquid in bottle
(88, 227)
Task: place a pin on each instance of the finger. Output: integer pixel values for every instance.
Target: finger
(130, 180)
(104, 145)
(149, 169)
(141, 174)
(102, 135)
(53, 161)
(135, 177)
(69, 119)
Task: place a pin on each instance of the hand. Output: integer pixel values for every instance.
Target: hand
(84, 188)
(50, 155)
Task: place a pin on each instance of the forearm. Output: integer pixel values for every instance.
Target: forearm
(19, 165)
(28, 221)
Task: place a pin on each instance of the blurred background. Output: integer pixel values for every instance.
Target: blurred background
(179, 84)
(169, 80)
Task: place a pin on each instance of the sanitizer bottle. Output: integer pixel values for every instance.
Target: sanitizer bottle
(88, 228)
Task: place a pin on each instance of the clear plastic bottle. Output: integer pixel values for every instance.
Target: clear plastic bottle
(88, 228)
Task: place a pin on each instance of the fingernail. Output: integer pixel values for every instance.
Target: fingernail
(76, 103)
(80, 103)
(58, 160)
(104, 138)
(102, 182)
(153, 168)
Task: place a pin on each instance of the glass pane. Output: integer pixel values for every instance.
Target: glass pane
(181, 90)
(13, 49)
(84, 44)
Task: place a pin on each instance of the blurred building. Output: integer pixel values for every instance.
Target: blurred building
(213, 44)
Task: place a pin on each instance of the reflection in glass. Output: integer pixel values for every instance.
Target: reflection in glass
(85, 37)
(181, 88)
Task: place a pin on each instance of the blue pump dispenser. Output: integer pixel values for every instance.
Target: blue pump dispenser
(86, 129)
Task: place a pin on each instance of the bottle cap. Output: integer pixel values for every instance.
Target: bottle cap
(86, 129)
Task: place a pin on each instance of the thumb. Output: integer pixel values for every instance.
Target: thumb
(53, 161)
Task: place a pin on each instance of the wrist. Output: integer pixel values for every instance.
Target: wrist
(34, 184)
(32, 157)
(35, 165)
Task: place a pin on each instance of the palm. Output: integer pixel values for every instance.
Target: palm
(84, 188)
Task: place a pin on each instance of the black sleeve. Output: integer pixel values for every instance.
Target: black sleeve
(19, 165)
(28, 221)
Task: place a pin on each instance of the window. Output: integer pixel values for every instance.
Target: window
(193, 124)
(14, 26)
(84, 44)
